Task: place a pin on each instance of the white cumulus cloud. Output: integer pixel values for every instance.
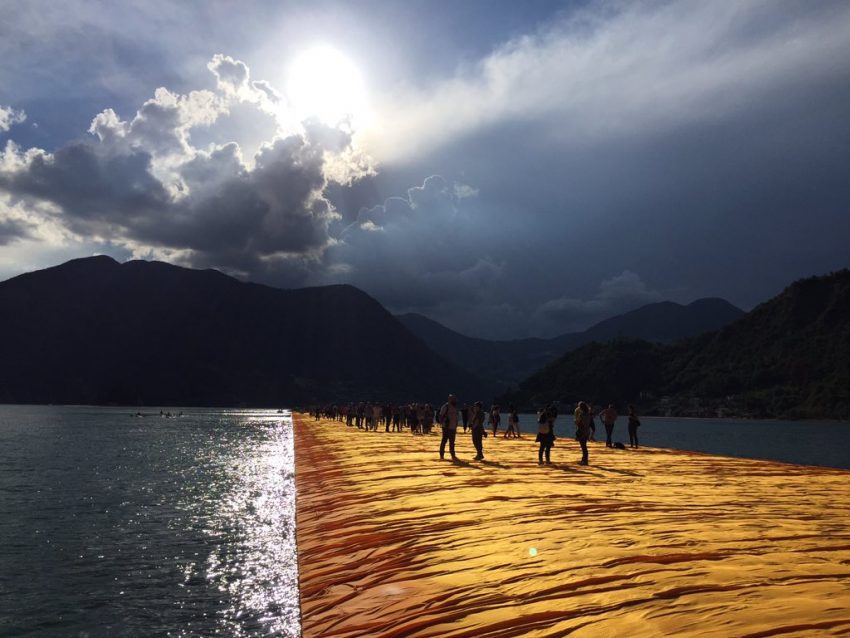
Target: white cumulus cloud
(9, 117)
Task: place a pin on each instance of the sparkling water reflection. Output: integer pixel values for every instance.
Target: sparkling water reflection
(117, 525)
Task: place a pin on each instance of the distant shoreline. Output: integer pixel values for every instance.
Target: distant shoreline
(725, 418)
(166, 406)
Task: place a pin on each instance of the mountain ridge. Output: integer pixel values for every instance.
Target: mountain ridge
(97, 331)
(789, 357)
(509, 361)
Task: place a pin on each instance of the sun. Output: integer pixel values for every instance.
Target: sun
(324, 84)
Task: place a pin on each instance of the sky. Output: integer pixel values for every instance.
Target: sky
(509, 169)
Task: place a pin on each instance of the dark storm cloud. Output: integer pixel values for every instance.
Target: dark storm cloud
(700, 148)
(142, 183)
(274, 207)
(614, 296)
(89, 186)
(13, 230)
(417, 252)
(736, 208)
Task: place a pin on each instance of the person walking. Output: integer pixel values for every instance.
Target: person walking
(592, 423)
(410, 412)
(516, 426)
(476, 423)
(634, 424)
(609, 418)
(495, 418)
(448, 419)
(464, 415)
(513, 423)
(545, 435)
(582, 421)
(420, 418)
(429, 418)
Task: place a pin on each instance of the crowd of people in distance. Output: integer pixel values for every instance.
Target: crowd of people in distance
(421, 418)
(418, 418)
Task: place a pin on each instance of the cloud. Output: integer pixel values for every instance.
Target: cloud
(232, 75)
(616, 295)
(665, 138)
(14, 229)
(233, 78)
(415, 252)
(9, 117)
(614, 69)
(143, 183)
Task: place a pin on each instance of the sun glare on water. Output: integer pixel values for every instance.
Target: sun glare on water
(324, 84)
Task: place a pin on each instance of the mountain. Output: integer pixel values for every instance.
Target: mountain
(508, 362)
(503, 362)
(96, 331)
(789, 357)
(666, 321)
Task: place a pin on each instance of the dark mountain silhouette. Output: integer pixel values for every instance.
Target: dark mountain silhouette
(508, 362)
(96, 331)
(666, 321)
(789, 357)
(504, 362)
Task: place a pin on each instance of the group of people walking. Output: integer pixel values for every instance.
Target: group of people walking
(421, 417)
(449, 416)
(418, 417)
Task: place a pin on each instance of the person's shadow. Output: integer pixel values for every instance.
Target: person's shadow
(501, 466)
(563, 467)
(457, 462)
(623, 472)
(574, 468)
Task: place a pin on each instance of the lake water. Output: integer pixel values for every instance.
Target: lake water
(825, 443)
(112, 525)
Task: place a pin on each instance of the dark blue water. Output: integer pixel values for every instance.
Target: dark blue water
(825, 443)
(112, 525)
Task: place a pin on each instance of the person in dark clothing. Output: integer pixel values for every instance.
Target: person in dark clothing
(582, 421)
(476, 422)
(592, 423)
(634, 424)
(609, 418)
(448, 419)
(545, 435)
(464, 415)
(495, 418)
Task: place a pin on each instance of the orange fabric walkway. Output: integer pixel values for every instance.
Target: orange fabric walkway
(395, 543)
